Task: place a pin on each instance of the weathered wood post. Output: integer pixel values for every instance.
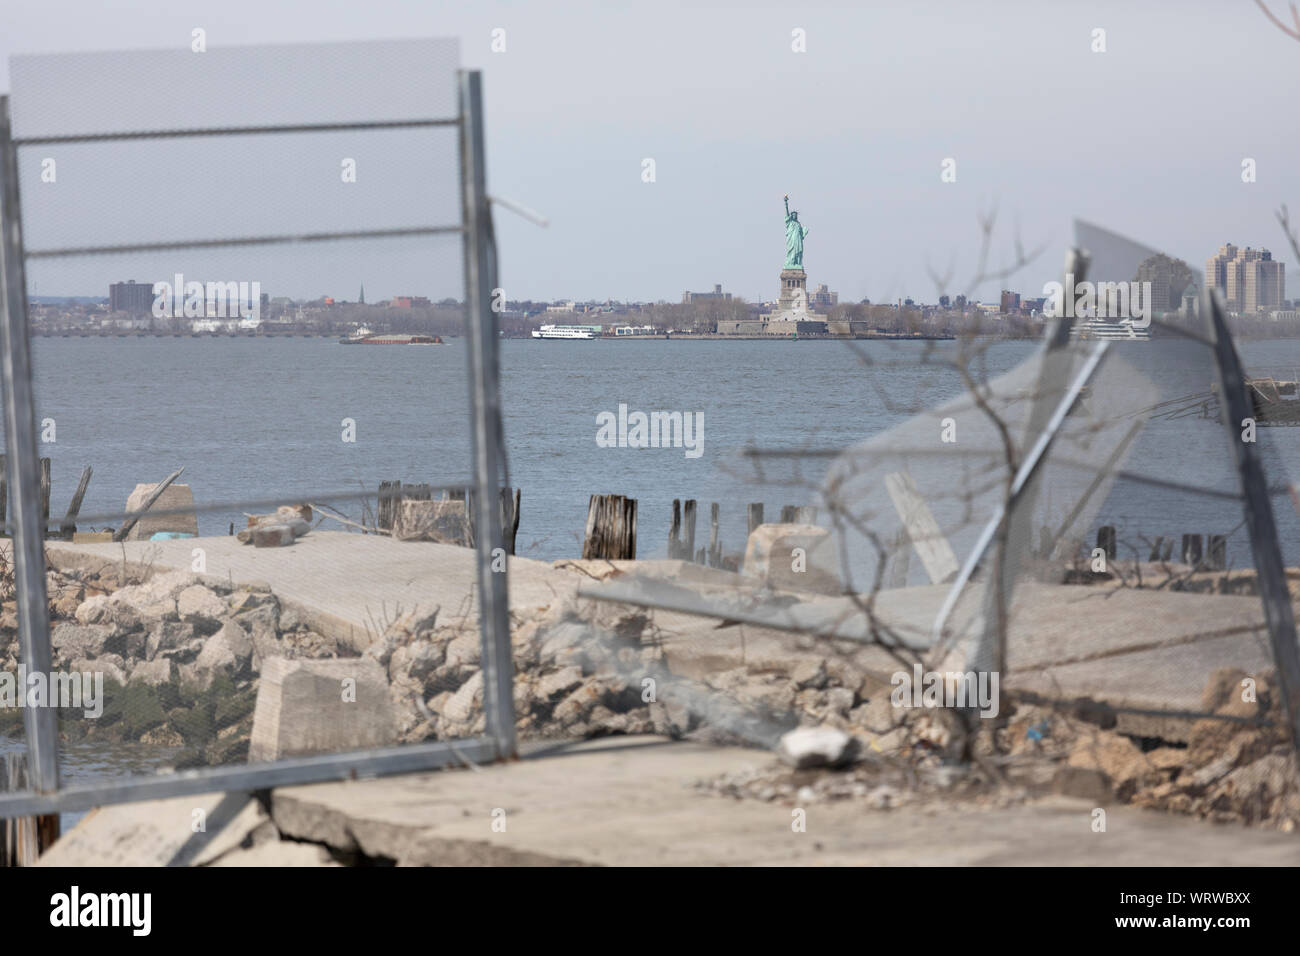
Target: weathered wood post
(675, 532)
(1216, 552)
(755, 516)
(611, 529)
(715, 545)
(69, 526)
(509, 518)
(1192, 550)
(688, 545)
(390, 493)
(787, 514)
(23, 839)
(1156, 547)
(45, 497)
(1106, 540)
(805, 514)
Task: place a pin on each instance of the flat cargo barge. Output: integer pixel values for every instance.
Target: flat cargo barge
(394, 340)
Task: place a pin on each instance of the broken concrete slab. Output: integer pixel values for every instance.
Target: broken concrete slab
(174, 497)
(320, 706)
(795, 557)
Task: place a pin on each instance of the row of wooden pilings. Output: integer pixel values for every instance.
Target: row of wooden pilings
(612, 526)
(69, 525)
(1208, 553)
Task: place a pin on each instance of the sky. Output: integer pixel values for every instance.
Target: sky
(1146, 138)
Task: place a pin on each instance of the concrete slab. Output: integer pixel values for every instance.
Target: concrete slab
(346, 585)
(631, 802)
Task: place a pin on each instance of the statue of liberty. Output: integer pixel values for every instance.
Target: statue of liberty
(794, 236)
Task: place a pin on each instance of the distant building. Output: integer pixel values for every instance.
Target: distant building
(409, 302)
(1010, 303)
(135, 298)
(717, 293)
(1170, 279)
(823, 298)
(1251, 280)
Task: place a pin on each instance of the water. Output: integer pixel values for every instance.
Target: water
(258, 418)
(84, 762)
(252, 418)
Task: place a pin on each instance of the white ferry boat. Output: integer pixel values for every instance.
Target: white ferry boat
(567, 332)
(1117, 330)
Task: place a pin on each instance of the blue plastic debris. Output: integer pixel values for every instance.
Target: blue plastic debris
(169, 535)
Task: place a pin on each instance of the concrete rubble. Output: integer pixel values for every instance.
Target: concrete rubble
(183, 657)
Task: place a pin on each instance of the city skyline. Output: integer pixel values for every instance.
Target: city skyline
(580, 97)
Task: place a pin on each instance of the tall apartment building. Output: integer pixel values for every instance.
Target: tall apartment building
(1251, 280)
(1169, 279)
(131, 296)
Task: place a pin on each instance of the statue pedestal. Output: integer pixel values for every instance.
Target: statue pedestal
(791, 316)
(794, 291)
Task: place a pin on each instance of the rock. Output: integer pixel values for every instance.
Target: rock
(272, 535)
(228, 653)
(810, 675)
(198, 605)
(1115, 756)
(466, 650)
(793, 557)
(461, 705)
(839, 701)
(152, 673)
(106, 666)
(579, 704)
(101, 610)
(82, 640)
(559, 682)
(309, 644)
(166, 636)
(816, 747)
(306, 706)
(1085, 783)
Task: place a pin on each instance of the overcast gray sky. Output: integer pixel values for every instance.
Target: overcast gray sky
(1146, 139)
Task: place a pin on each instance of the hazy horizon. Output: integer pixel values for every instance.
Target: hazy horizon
(1146, 139)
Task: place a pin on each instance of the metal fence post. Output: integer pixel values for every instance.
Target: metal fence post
(1270, 572)
(24, 470)
(485, 402)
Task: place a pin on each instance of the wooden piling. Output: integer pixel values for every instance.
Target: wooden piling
(688, 518)
(69, 526)
(390, 493)
(509, 518)
(23, 839)
(611, 528)
(45, 497)
(755, 515)
(1192, 549)
(1106, 540)
(787, 514)
(715, 545)
(1216, 552)
(675, 532)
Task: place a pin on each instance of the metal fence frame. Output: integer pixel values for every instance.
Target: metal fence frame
(488, 449)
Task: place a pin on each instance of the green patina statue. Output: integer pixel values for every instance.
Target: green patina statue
(794, 237)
